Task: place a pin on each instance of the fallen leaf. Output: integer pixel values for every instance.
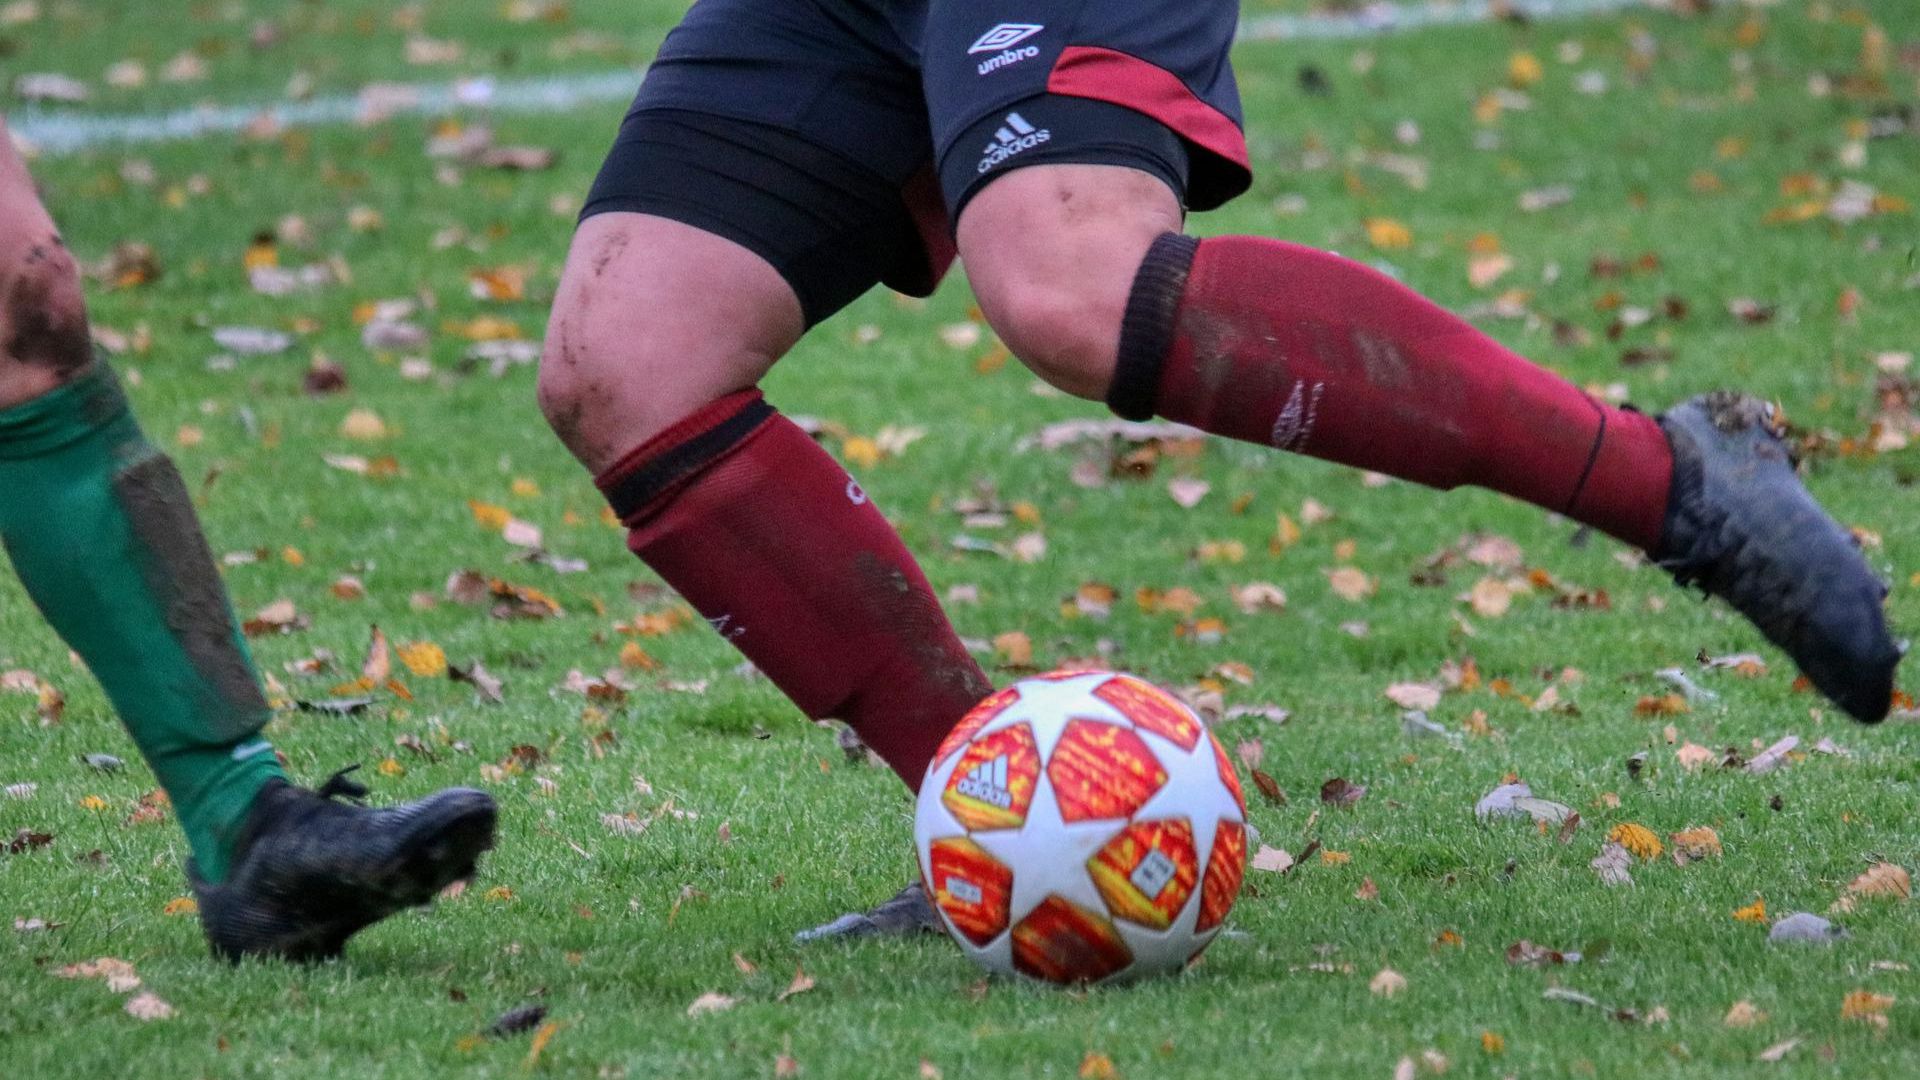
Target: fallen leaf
(1778, 1050)
(1700, 842)
(515, 1020)
(1350, 583)
(1755, 912)
(1339, 791)
(1882, 879)
(1387, 983)
(1272, 859)
(1637, 839)
(1611, 864)
(1805, 926)
(1771, 758)
(1744, 1015)
(1867, 1007)
(802, 982)
(711, 1002)
(423, 658)
(1415, 695)
(148, 1006)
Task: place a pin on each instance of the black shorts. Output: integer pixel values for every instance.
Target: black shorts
(838, 139)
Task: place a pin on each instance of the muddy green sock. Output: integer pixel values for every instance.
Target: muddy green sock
(102, 533)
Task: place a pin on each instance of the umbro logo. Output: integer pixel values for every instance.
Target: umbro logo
(1006, 39)
(1005, 36)
(987, 782)
(1013, 137)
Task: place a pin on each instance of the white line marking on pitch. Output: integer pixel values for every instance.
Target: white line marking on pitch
(65, 131)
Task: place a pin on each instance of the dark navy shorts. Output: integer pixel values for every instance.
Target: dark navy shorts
(839, 139)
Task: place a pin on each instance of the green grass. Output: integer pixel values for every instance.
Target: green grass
(618, 935)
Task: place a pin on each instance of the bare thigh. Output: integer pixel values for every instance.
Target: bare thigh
(43, 324)
(653, 320)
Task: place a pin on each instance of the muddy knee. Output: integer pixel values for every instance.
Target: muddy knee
(43, 315)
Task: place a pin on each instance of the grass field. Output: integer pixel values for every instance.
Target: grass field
(1702, 164)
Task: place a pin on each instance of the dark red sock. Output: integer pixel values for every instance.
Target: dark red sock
(1284, 345)
(770, 539)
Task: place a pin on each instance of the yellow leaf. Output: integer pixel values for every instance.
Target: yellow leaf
(485, 328)
(635, 658)
(363, 424)
(390, 767)
(525, 488)
(1388, 234)
(490, 516)
(1334, 858)
(1097, 1066)
(1755, 912)
(1523, 70)
(424, 659)
(181, 905)
(540, 1040)
(499, 894)
(261, 256)
(1636, 838)
(292, 556)
(1865, 1005)
(861, 451)
(1492, 1043)
(93, 802)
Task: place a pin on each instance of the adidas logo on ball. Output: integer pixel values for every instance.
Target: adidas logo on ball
(987, 782)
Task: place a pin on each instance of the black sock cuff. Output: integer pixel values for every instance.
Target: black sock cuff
(681, 453)
(1146, 330)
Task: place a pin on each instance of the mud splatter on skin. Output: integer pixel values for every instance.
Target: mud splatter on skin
(44, 316)
(178, 568)
(615, 246)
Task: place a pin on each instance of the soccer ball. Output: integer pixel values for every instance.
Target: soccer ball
(1082, 827)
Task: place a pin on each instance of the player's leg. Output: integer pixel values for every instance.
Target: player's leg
(1070, 251)
(709, 245)
(103, 535)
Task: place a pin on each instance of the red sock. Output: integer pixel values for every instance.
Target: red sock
(1284, 345)
(771, 540)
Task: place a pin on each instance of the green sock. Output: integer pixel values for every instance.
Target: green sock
(105, 539)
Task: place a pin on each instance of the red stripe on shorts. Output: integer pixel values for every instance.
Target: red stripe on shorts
(1087, 71)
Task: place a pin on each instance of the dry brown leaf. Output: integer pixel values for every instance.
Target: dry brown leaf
(1700, 842)
(1867, 1007)
(1272, 859)
(1414, 695)
(802, 982)
(378, 666)
(1693, 756)
(1014, 648)
(1778, 1050)
(1490, 597)
(1744, 1015)
(1387, 983)
(1882, 879)
(711, 1002)
(1351, 583)
(148, 1006)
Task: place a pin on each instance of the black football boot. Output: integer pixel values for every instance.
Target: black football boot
(1741, 527)
(311, 871)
